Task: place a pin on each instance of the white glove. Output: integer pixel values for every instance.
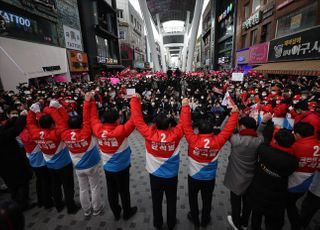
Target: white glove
(24, 113)
(35, 107)
(54, 104)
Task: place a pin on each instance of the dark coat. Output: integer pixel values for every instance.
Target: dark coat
(270, 184)
(14, 165)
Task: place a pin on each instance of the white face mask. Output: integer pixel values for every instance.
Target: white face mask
(264, 94)
(14, 115)
(273, 92)
(295, 102)
(278, 102)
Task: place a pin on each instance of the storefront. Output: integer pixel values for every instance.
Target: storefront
(225, 33)
(29, 48)
(295, 54)
(21, 61)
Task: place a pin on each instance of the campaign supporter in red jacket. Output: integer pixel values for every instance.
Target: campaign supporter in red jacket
(203, 152)
(162, 161)
(56, 155)
(306, 149)
(116, 156)
(304, 115)
(280, 110)
(84, 154)
(49, 139)
(39, 166)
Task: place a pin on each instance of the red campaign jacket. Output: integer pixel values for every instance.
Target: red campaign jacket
(155, 138)
(293, 113)
(204, 148)
(162, 146)
(48, 139)
(311, 118)
(110, 136)
(28, 144)
(307, 151)
(267, 108)
(280, 110)
(77, 140)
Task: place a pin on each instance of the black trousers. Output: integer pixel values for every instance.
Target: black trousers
(159, 186)
(206, 188)
(273, 220)
(310, 205)
(240, 210)
(63, 177)
(292, 210)
(118, 184)
(43, 186)
(20, 194)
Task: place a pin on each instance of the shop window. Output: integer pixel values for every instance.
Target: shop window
(102, 47)
(266, 32)
(254, 37)
(256, 5)
(246, 11)
(298, 20)
(245, 41)
(120, 13)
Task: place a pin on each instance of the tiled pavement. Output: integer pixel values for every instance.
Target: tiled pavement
(41, 219)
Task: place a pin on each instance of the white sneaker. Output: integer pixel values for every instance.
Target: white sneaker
(229, 218)
(98, 212)
(87, 213)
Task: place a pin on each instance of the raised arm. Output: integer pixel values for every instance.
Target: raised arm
(185, 119)
(32, 125)
(266, 117)
(136, 115)
(96, 124)
(227, 131)
(86, 128)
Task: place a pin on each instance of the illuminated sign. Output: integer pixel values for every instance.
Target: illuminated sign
(225, 13)
(252, 21)
(12, 18)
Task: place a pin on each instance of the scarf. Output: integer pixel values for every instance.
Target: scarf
(248, 132)
(276, 146)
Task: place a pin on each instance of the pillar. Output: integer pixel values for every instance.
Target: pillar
(185, 44)
(150, 36)
(163, 59)
(194, 32)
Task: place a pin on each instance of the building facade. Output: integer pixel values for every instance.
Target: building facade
(261, 23)
(100, 36)
(131, 35)
(206, 37)
(36, 28)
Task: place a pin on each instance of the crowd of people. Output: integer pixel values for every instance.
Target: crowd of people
(58, 129)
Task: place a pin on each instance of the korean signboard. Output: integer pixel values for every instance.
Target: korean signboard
(72, 38)
(252, 21)
(258, 53)
(298, 46)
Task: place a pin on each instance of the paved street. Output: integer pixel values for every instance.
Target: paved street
(40, 219)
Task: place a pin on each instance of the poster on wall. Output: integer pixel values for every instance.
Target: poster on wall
(72, 38)
(259, 53)
(298, 46)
